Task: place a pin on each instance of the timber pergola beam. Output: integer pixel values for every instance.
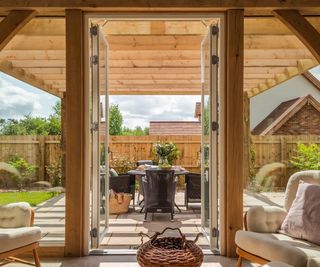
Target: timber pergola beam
(20, 74)
(13, 23)
(302, 28)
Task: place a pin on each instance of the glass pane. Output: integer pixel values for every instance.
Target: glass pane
(103, 138)
(206, 119)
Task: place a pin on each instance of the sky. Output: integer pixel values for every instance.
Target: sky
(18, 99)
(139, 110)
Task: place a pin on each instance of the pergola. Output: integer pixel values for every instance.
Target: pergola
(156, 57)
(267, 42)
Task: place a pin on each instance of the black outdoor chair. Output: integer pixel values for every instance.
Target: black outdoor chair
(159, 191)
(142, 162)
(123, 183)
(192, 188)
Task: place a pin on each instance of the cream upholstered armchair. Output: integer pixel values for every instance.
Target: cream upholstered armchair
(261, 242)
(17, 233)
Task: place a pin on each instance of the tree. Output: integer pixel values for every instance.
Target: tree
(115, 120)
(33, 125)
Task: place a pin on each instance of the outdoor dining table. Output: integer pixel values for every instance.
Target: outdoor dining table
(141, 173)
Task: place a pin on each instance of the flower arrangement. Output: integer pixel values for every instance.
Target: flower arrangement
(166, 152)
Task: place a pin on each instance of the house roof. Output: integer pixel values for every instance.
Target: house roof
(312, 79)
(197, 111)
(175, 128)
(280, 115)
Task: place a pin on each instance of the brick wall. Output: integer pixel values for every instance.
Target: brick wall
(305, 122)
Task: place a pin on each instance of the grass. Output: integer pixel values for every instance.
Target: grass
(33, 198)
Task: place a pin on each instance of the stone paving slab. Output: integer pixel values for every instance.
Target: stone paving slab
(51, 218)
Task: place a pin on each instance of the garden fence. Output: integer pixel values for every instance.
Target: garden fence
(43, 150)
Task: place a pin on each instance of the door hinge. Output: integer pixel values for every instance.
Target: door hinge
(94, 30)
(215, 232)
(215, 30)
(214, 126)
(94, 60)
(94, 232)
(94, 127)
(215, 59)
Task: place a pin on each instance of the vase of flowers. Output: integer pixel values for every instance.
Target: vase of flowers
(165, 153)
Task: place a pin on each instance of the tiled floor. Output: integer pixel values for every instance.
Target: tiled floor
(124, 229)
(124, 261)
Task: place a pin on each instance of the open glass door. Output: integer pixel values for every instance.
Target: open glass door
(209, 140)
(99, 119)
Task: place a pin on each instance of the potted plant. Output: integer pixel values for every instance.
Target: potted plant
(165, 153)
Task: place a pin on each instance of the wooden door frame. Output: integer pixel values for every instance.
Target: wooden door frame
(78, 184)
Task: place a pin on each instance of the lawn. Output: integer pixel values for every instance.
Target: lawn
(33, 198)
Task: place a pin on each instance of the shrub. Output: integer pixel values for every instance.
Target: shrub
(122, 164)
(54, 171)
(308, 157)
(26, 170)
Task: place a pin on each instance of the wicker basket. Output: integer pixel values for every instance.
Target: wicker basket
(169, 251)
(119, 202)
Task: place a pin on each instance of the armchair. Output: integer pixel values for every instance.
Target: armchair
(17, 233)
(260, 241)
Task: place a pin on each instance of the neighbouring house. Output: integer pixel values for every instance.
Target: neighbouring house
(299, 116)
(263, 104)
(177, 127)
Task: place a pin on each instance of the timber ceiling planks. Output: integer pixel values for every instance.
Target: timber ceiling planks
(158, 57)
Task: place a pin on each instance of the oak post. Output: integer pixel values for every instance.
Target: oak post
(233, 206)
(13, 23)
(74, 135)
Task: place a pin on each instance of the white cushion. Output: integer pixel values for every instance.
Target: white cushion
(310, 177)
(12, 238)
(279, 247)
(276, 264)
(15, 215)
(265, 219)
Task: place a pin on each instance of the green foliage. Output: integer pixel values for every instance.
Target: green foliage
(122, 164)
(54, 171)
(137, 131)
(308, 157)
(26, 170)
(166, 150)
(33, 198)
(115, 120)
(33, 125)
(206, 119)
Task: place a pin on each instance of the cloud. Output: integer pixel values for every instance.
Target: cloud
(16, 102)
(139, 110)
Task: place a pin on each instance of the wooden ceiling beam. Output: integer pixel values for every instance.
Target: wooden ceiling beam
(252, 26)
(154, 42)
(11, 25)
(253, 54)
(302, 28)
(178, 4)
(22, 75)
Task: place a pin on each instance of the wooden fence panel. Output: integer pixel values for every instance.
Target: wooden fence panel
(36, 150)
(140, 147)
(42, 151)
(279, 148)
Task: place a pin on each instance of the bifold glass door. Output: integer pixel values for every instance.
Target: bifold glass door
(99, 173)
(209, 140)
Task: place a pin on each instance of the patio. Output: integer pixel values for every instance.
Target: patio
(124, 229)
